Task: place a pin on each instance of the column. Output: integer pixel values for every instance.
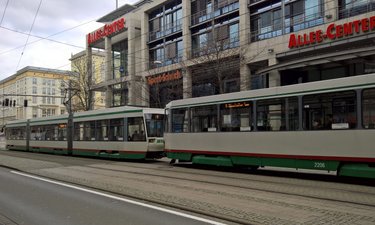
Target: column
(186, 33)
(330, 11)
(186, 72)
(131, 64)
(187, 83)
(244, 25)
(145, 60)
(245, 79)
(108, 71)
(274, 75)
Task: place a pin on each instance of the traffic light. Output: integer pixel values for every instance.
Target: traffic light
(7, 102)
(25, 103)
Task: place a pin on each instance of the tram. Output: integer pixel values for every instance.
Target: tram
(324, 125)
(123, 133)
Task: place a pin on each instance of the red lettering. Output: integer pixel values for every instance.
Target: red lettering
(365, 25)
(330, 31)
(372, 23)
(356, 25)
(319, 36)
(312, 37)
(299, 41)
(306, 41)
(292, 41)
(348, 29)
(339, 31)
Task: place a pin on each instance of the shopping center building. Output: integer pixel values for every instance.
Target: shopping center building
(157, 51)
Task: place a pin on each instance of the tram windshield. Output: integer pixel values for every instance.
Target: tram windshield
(155, 125)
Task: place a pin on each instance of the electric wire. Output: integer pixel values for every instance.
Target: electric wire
(31, 28)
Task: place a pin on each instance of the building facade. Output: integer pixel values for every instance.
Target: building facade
(79, 67)
(41, 87)
(158, 51)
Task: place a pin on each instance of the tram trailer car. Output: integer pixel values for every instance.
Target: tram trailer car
(325, 125)
(123, 133)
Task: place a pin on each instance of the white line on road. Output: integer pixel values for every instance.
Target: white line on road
(121, 199)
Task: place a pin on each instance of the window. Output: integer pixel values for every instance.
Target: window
(330, 111)
(35, 90)
(368, 108)
(204, 118)
(62, 132)
(349, 8)
(102, 130)
(116, 129)
(236, 116)
(180, 120)
(35, 80)
(44, 91)
(154, 125)
(34, 99)
(271, 115)
(136, 130)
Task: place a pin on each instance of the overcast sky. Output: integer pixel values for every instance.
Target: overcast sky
(53, 17)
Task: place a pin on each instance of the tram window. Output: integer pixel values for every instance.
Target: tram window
(293, 113)
(16, 134)
(136, 129)
(116, 130)
(180, 120)
(271, 115)
(236, 116)
(50, 132)
(204, 118)
(102, 130)
(89, 131)
(330, 111)
(155, 125)
(78, 131)
(368, 108)
(34, 133)
(62, 132)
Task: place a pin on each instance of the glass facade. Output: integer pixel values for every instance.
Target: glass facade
(120, 59)
(267, 18)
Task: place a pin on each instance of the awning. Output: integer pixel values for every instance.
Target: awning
(335, 56)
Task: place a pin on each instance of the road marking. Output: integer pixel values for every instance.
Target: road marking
(120, 199)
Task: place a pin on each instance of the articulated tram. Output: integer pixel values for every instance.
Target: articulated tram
(325, 125)
(123, 132)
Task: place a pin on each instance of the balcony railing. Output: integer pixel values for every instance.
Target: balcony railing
(167, 29)
(356, 8)
(214, 11)
(211, 47)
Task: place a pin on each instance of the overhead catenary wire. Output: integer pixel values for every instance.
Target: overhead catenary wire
(31, 28)
(5, 9)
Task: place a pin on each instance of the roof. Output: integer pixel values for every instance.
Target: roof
(121, 11)
(83, 53)
(36, 69)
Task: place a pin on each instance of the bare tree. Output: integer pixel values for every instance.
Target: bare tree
(83, 99)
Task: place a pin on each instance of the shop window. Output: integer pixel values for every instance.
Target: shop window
(236, 116)
(368, 108)
(204, 118)
(136, 129)
(180, 120)
(330, 111)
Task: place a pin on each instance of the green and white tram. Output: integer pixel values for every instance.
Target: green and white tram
(325, 125)
(123, 132)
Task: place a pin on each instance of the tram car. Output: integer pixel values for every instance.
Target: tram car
(122, 133)
(324, 125)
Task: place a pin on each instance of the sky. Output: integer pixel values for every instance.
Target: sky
(70, 20)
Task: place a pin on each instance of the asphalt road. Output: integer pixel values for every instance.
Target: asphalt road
(26, 200)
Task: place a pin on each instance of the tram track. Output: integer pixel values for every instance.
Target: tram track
(338, 194)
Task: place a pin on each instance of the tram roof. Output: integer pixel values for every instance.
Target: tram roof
(347, 83)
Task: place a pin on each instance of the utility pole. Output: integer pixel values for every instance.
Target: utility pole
(70, 120)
